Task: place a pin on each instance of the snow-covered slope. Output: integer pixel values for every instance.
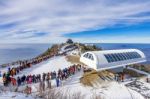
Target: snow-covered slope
(112, 90)
(72, 85)
(53, 64)
(13, 95)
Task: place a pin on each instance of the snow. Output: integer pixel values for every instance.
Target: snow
(140, 86)
(112, 90)
(54, 64)
(13, 95)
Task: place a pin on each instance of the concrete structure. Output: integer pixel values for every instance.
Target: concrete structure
(108, 59)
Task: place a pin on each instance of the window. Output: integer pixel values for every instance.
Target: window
(124, 56)
(114, 57)
(92, 57)
(117, 57)
(127, 55)
(121, 56)
(111, 58)
(88, 56)
(137, 55)
(108, 58)
(85, 55)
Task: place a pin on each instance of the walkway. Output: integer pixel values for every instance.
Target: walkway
(140, 87)
(139, 71)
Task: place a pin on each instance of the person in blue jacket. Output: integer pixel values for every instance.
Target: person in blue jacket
(57, 81)
(0, 74)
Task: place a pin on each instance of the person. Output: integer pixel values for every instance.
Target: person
(29, 79)
(57, 81)
(43, 85)
(4, 80)
(48, 81)
(0, 74)
(28, 90)
(43, 77)
(23, 79)
(8, 80)
(40, 86)
(13, 71)
(122, 77)
(13, 81)
(147, 80)
(18, 81)
(33, 79)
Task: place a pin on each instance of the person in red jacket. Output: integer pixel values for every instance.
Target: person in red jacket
(13, 81)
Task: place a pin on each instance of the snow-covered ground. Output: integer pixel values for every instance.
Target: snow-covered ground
(109, 90)
(14, 95)
(53, 64)
(140, 87)
(112, 90)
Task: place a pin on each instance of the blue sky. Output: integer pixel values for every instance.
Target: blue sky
(139, 30)
(54, 21)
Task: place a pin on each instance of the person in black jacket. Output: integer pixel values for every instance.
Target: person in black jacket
(23, 78)
(18, 81)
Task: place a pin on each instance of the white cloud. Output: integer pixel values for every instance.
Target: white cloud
(59, 17)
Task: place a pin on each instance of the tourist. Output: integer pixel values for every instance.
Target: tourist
(0, 74)
(122, 77)
(62, 74)
(44, 77)
(13, 81)
(28, 90)
(48, 80)
(4, 80)
(57, 81)
(40, 86)
(18, 81)
(43, 85)
(29, 79)
(147, 79)
(23, 78)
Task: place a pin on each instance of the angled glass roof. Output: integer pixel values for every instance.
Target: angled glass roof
(114, 57)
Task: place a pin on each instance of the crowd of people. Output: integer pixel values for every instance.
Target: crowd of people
(61, 74)
(22, 65)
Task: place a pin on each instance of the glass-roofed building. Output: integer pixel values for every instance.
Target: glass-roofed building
(107, 59)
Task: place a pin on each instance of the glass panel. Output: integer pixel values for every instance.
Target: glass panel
(120, 56)
(138, 55)
(107, 57)
(117, 57)
(134, 55)
(114, 57)
(124, 56)
(92, 57)
(111, 58)
(127, 55)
